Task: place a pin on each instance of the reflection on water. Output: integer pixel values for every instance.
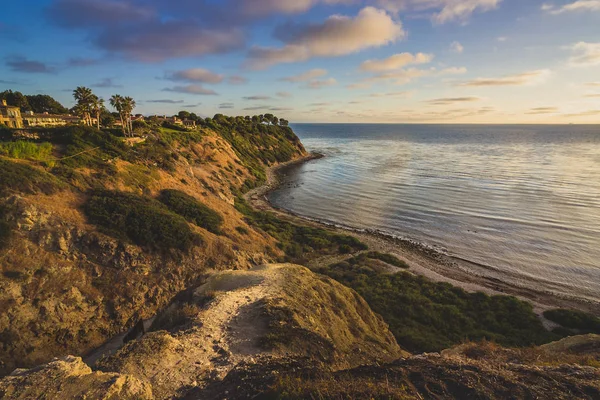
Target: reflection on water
(524, 200)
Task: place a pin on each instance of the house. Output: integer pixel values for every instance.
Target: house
(189, 123)
(45, 120)
(32, 120)
(10, 116)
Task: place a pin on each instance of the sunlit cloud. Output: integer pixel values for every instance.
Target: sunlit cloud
(338, 35)
(581, 5)
(542, 110)
(452, 100)
(395, 62)
(442, 10)
(525, 78)
(585, 54)
(257, 97)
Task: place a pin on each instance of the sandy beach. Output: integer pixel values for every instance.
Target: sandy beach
(422, 260)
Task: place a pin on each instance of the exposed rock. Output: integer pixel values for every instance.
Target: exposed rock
(70, 378)
(281, 310)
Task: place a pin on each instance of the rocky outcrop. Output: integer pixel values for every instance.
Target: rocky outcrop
(275, 311)
(70, 378)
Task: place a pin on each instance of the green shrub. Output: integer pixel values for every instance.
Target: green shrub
(387, 258)
(26, 150)
(297, 241)
(17, 177)
(242, 230)
(142, 220)
(5, 228)
(192, 210)
(426, 316)
(573, 319)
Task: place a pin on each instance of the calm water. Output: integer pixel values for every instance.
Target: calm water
(522, 201)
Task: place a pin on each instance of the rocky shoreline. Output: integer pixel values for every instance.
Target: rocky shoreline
(422, 259)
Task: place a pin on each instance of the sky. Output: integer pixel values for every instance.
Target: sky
(388, 61)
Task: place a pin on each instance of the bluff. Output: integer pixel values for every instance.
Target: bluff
(98, 231)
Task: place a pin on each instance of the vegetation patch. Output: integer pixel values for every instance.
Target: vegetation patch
(386, 258)
(26, 150)
(192, 210)
(297, 241)
(426, 316)
(575, 322)
(19, 177)
(140, 219)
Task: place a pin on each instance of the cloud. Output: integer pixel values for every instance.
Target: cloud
(257, 97)
(165, 101)
(588, 113)
(267, 108)
(319, 84)
(581, 5)
(592, 95)
(224, 106)
(22, 64)
(442, 10)
(404, 76)
(392, 94)
(199, 75)
(452, 100)
(284, 95)
(456, 47)
(525, 78)
(106, 83)
(158, 40)
(396, 61)
(192, 89)
(97, 13)
(306, 76)
(542, 110)
(338, 35)
(82, 62)
(585, 54)
(593, 84)
(237, 80)
(502, 39)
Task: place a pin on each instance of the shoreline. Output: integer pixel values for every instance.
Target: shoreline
(423, 260)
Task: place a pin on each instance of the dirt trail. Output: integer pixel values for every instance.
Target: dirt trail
(223, 334)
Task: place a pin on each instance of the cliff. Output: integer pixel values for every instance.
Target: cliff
(70, 278)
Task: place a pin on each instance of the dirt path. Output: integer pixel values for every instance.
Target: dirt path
(223, 334)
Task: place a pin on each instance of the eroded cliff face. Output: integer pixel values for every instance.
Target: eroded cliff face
(65, 287)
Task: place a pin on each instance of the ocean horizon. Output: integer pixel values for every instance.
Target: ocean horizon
(521, 201)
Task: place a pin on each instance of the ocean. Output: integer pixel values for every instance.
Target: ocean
(521, 202)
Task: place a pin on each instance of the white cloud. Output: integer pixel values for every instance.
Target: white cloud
(338, 35)
(456, 47)
(396, 61)
(581, 5)
(452, 100)
(585, 54)
(525, 78)
(502, 39)
(443, 10)
(306, 76)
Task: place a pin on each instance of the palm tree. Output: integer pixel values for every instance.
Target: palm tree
(97, 106)
(84, 98)
(117, 102)
(128, 107)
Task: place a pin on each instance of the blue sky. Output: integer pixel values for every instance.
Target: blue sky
(443, 61)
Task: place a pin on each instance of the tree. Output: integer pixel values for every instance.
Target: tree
(116, 101)
(15, 99)
(85, 98)
(97, 106)
(184, 115)
(42, 103)
(128, 107)
(283, 122)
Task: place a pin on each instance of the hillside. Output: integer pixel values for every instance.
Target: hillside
(98, 232)
(282, 332)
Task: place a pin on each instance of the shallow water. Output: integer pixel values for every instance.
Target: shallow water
(523, 201)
